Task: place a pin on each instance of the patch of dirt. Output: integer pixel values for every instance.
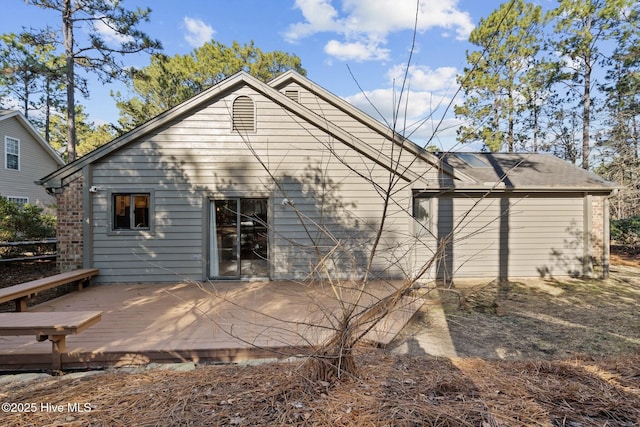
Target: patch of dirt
(626, 252)
(14, 273)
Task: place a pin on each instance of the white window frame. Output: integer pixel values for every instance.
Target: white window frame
(19, 200)
(7, 141)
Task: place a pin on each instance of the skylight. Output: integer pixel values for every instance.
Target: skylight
(473, 160)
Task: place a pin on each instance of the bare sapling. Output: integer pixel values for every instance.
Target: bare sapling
(366, 253)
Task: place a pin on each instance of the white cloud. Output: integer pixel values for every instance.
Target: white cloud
(415, 106)
(198, 32)
(385, 16)
(439, 133)
(357, 51)
(367, 23)
(12, 103)
(108, 34)
(422, 114)
(320, 16)
(424, 78)
(421, 117)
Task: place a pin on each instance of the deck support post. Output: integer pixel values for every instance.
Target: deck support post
(58, 346)
(21, 304)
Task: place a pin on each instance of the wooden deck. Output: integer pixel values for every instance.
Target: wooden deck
(215, 322)
(20, 293)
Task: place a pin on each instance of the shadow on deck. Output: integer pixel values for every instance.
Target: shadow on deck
(215, 322)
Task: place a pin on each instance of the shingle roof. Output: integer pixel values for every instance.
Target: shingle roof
(525, 171)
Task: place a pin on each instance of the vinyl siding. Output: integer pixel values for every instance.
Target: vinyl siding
(198, 158)
(362, 131)
(540, 235)
(35, 163)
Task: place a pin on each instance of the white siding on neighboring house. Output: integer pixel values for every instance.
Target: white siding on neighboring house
(34, 163)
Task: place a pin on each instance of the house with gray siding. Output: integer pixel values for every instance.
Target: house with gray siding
(26, 157)
(285, 180)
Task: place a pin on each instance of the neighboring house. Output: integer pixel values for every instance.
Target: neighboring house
(26, 157)
(251, 179)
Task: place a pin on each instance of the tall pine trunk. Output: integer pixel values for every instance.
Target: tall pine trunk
(67, 30)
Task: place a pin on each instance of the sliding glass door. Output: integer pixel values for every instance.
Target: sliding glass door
(239, 244)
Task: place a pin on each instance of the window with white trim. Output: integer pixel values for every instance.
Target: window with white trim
(11, 153)
(20, 201)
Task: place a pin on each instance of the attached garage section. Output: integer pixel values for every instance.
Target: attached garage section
(547, 236)
(507, 234)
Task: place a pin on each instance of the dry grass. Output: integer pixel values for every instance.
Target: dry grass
(548, 319)
(391, 390)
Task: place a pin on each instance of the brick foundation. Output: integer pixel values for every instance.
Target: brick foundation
(70, 225)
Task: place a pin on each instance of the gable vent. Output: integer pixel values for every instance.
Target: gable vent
(244, 114)
(293, 95)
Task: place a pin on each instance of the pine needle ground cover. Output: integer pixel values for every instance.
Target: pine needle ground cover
(389, 391)
(549, 353)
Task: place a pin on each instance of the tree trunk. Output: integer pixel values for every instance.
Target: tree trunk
(586, 113)
(67, 30)
(47, 113)
(510, 137)
(497, 140)
(26, 99)
(586, 104)
(536, 113)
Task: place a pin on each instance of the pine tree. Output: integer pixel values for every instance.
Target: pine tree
(96, 55)
(583, 26)
(620, 144)
(168, 81)
(508, 40)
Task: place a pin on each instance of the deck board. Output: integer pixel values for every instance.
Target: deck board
(222, 321)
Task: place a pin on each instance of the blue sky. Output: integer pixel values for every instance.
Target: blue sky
(372, 38)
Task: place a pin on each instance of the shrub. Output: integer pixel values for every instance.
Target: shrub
(28, 222)
(626, 231)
